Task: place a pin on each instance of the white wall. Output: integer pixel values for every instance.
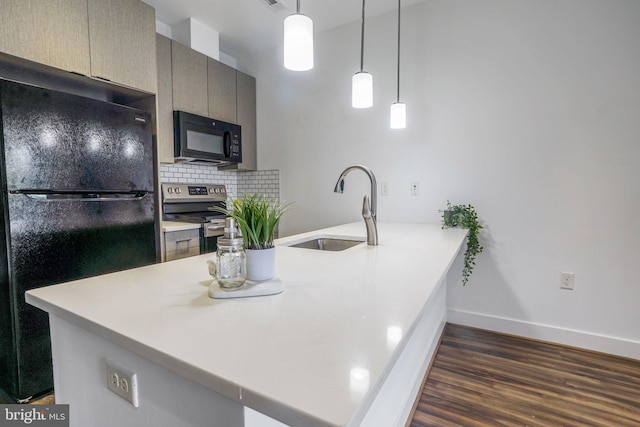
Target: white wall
(528, 110)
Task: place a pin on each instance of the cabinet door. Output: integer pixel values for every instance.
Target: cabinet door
(51, 32)
(246, 87)
(181, 244)
(123, 42)
(189, 76)
(222, 91)
(164, 99)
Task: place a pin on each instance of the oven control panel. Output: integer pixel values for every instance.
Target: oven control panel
(176, 193)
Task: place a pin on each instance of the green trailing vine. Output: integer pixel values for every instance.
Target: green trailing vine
(465, 216)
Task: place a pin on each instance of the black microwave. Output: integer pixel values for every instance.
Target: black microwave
(198, 138)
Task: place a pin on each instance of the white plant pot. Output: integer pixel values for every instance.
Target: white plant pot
(261, 264)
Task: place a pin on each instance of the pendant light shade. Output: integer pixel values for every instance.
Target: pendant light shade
(298, 41)
(398, 116)
(362, 90)
(362, 82)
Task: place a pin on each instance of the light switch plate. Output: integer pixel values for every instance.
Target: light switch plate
(384, 188)
(415, 188)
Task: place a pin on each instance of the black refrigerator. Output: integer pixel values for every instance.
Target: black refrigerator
(77, 184)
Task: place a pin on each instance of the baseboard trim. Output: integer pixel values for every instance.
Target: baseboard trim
(570, 337)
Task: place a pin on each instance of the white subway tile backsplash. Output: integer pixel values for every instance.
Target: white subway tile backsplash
(238, 183)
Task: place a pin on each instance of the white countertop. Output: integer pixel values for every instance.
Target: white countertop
(301, 356)
(168, 226)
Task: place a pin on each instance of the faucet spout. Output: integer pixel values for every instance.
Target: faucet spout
(369, 205)
(339, 188)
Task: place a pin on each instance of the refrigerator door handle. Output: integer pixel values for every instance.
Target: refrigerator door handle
(52, 196)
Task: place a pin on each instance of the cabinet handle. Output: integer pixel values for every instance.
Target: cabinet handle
(102, 78)
(184, 248)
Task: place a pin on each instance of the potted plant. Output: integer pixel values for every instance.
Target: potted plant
(257, 217)
(465, 216)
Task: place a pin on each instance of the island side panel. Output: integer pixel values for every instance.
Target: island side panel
(165, 398)
(392, 404)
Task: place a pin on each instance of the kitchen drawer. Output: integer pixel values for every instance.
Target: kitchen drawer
(181, 244)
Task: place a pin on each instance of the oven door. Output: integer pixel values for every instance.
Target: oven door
(210, 233)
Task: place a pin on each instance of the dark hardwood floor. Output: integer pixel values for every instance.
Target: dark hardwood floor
(481, 378)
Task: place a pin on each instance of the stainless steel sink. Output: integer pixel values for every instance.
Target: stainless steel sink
(327, 243)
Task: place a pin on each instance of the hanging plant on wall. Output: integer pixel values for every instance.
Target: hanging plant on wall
(465, 216)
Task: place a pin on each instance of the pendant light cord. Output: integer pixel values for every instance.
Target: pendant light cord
(298, 7)
(398, 86)
(362, 41)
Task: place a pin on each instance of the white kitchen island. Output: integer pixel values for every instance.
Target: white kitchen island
(346, 343)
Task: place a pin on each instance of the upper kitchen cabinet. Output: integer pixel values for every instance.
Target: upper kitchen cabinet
(51, 32)
(191, 81)
(232, 98)
(222, 91)
(189, 77)
(112, 40)
(164, 99)
(246, 113)
(122, 34)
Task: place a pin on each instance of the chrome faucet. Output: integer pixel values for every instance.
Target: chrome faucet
(369, 206)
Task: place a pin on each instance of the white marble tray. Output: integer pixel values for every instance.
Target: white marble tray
(250, 289)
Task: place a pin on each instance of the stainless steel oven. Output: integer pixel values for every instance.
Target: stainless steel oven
(194, 203)
(210, 232)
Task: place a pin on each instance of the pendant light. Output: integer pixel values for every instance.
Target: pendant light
(362, 82)
(298, 41)
(398, 109)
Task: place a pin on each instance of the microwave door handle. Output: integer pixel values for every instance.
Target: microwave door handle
(227, 144)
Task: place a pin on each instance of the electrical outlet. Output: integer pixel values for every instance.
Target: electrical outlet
(122, 382)
(567, 280)
(415, 188)
(384, 188)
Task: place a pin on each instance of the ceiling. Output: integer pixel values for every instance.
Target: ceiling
(250, 26)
